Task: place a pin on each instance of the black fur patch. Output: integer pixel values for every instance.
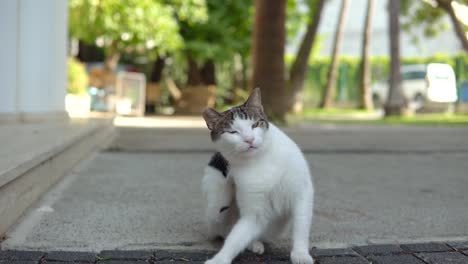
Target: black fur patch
(220, 163)
(223, 209)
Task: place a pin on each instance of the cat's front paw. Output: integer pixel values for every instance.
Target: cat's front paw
(257, 247)
(218, 260)
(301, 258)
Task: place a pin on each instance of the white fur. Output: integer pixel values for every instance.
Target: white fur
(271, 186)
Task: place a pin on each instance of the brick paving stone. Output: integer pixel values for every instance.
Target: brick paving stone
(459, 244)
(444, 258)
(342, 260)
(126, 254)
(396, 259)
(378, 250)
(426, 247)
(70, 256)
(21, 255)
(332, 252)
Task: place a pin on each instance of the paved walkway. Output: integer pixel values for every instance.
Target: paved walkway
(375, 185)
(423, 253)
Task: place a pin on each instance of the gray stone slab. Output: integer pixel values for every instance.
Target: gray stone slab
(70, 256)
(177, 262)
(267, 257)
(459, 244)
(65, 262)
(332, 252)
(33, 144)
(21, 255)
(342, 260)
(260, 261)
(378, 250)
(126, 254)
(395, 259)
(122, 262)
(17, 262)
(444, 258)
(160, 255)
(426, 247)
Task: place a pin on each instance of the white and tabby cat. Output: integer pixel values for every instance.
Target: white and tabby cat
(257, 185)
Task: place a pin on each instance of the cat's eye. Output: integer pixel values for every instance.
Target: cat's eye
(232, 132)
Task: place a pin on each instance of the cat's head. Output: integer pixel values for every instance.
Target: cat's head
(240, 130)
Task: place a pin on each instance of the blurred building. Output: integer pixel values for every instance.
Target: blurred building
(33, 37)
(446, 42)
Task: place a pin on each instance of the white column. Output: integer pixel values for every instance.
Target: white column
(42, 43)
(8, 61)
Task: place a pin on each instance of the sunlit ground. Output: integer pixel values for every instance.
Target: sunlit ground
(161, 122)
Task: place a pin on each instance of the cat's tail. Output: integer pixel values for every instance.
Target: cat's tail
(221, 210)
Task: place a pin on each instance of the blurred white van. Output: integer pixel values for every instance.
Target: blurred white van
(441, 83)
(431, 83)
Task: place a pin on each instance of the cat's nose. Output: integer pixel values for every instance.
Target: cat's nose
(249, 141)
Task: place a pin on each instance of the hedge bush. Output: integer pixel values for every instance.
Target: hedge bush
(77, 77)
(349, 70)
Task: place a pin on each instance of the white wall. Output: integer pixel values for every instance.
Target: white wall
(8, 62)
(33, 75)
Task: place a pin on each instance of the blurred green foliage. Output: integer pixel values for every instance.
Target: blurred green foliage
(142, 26)
(225, 32)
(77, 77)
(426, 15)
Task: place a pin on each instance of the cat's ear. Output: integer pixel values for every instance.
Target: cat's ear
(211, 117)
(255, 99)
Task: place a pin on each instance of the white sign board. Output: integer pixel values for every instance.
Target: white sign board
(130, 92)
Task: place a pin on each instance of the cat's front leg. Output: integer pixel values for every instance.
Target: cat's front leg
(243, 233)
(302, 220)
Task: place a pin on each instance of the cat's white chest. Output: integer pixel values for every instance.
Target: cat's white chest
(260, 177)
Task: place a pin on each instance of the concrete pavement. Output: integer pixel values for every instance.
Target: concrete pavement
(374, 185)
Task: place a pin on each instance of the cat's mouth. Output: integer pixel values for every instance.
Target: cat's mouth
(251, 148)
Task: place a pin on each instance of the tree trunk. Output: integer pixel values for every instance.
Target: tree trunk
(396, 102)
(366, 92)
(268, 56)
(330, 89)
(193, 73)
(89, 53)
(153, 87)
(301, 63)
(208, 73)
(205, 75)
(158, 67)
(461, 34)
